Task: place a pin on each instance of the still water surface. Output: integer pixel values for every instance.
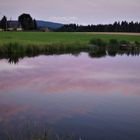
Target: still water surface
(95, 98)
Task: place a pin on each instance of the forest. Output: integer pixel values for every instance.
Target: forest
(123, 26)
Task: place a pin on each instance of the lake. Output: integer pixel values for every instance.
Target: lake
(75, 95)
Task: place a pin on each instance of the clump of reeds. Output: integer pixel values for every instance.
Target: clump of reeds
(114, 43)
(98, 42)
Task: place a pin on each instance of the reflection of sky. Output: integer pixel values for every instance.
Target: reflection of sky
(60, 87)
(6, 67)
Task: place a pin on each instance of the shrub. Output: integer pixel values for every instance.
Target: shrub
(98, 42)
(137, 44)
(114, 42)
(124, 42)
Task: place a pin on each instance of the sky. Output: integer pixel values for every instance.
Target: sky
(73, 11)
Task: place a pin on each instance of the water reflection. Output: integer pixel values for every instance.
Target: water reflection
(84, 96)
(93, 51)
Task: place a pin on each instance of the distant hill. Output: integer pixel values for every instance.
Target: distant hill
(51, 25)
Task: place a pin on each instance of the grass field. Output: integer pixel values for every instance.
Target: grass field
(36, 38)
(57, 42)
(15, 45)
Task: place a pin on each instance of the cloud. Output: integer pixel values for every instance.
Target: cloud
(64, 19)
(85, 11)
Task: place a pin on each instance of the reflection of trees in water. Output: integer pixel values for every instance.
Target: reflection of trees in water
(16, 57)
(31, 130)
(97, 52)
(113, 51)
(13, 56)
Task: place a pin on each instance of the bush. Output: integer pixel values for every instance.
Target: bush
(114, 42)
(98, 42)
(137, 44)
(124, 42)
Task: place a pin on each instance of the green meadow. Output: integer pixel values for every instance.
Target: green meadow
(21, 44)
(38, 38)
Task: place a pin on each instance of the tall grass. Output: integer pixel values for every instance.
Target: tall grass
(113, 42)
(15, 46)
(15, 51)
(113, 47)
(98, 42)
(32, 131)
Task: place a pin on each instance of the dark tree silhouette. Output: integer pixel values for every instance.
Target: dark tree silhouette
(26, 21)
(35, 24)
(124, 26)
(3, 23)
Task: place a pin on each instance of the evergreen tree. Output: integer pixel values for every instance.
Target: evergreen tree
(35, 24)
(124, 26)
(3, 23)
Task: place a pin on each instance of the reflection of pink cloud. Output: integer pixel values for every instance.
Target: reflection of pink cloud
(80, 111)
(8, 111)
(69, 77)
(58, 76)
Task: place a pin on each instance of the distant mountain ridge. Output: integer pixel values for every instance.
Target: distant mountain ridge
(40, 24)
(48, 24)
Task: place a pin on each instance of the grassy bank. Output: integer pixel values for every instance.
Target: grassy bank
(41, 38)
(15, 45)
(21, 41)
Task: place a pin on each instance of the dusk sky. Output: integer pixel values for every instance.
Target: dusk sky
(73, 11)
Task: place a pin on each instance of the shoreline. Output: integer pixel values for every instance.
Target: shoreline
(114, 33)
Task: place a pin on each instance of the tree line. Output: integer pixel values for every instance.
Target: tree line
(123, 26)
(25, 21)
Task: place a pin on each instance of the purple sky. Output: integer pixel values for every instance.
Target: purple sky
(69, 11)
